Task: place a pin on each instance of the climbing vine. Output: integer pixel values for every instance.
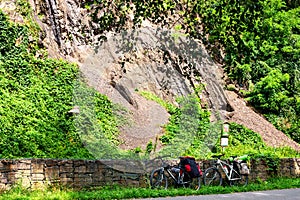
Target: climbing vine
(35, 97)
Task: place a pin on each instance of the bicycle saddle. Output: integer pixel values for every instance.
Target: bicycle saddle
(217, 156)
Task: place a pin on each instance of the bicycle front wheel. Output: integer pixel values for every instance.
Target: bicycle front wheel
(212, 177)
(158, 179)
(237, 179)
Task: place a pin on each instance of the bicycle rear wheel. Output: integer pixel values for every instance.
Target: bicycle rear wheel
(158, 179)
(212, 177)
(237, 179)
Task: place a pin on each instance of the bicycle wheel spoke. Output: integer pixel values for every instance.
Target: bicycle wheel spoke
(244, 180)
(192, 183)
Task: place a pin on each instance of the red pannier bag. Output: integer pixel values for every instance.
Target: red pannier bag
(191, 166)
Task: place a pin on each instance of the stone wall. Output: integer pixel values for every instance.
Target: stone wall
(39, 173)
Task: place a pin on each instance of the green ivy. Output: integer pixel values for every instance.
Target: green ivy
(35, 97)
(116, 15)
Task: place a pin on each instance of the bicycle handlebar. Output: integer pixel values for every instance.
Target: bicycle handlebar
(161, 157)
(217, 156)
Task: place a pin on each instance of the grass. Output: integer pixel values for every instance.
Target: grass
(118, 192)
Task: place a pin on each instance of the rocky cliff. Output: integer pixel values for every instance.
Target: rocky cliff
(162, 61)
(118, 64)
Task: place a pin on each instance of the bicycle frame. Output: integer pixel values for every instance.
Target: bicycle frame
(214, 175)
(178, 180)
(171, 174)
(228, 171)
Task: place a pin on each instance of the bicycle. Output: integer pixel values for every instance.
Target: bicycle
(160, 177)
(212, 176)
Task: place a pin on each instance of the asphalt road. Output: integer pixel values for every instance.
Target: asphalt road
(289, 194)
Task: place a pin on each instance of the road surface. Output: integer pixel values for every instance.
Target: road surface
(288, 194)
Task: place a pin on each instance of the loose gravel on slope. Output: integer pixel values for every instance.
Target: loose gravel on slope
(246, 116)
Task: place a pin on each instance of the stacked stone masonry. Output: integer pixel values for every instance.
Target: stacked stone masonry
(40, 173)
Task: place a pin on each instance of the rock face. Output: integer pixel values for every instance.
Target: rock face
(160, 61)
(66, 26)
(152, 59)
(70, 33)
(149, 58)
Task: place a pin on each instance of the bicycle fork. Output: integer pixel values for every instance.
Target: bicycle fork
(180, 178)
(161, 174)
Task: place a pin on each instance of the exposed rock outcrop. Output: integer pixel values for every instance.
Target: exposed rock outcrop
(71, 34)
(160, 61)
(154, 60)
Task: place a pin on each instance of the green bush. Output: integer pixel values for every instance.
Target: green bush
(187, 128)
(244, 141)
(269, 95)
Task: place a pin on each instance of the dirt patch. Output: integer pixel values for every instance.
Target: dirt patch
(147, 124)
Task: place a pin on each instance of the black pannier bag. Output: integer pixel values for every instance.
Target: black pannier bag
(190, 165)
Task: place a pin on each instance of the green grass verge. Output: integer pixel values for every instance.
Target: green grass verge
(117, 192)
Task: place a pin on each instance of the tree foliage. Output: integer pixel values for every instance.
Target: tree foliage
(261, 41)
